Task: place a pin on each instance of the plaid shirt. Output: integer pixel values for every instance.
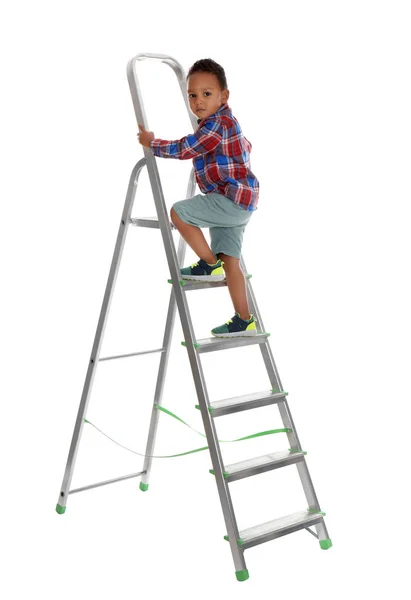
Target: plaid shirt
(221, 157)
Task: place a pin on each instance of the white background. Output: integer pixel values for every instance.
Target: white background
(322, 90)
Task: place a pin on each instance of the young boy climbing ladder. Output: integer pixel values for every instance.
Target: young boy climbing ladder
(221, 158)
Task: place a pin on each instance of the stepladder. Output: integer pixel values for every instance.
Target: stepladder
(239, 540)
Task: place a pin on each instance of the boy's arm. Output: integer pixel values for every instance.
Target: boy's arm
(203, 140)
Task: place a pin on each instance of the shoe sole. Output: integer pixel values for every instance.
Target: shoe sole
(204, 277)
(236, 334)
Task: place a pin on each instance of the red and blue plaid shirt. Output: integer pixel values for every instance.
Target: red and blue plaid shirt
(221, 157)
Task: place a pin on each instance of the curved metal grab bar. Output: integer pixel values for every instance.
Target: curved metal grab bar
(135, 87)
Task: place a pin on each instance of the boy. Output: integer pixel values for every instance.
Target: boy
(221, 158)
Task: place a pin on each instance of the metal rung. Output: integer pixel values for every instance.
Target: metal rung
(131, 354)
(247, 402)
(188, 284)
(277, 528)
(216, 343)
(261, 464)
(94, 485)
(151, 222)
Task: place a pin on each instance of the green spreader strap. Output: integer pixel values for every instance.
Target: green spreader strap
(247, 437)
(168, 412)
(139, 453)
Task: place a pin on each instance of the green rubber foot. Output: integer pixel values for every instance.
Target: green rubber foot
(143, 486)
(242, 575)
(60, 509)
(325, 544)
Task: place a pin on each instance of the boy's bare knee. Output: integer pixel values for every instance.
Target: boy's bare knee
(230, 262)
(175, 219)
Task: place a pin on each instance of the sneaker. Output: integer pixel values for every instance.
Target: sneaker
(203, 271)
(236, 327)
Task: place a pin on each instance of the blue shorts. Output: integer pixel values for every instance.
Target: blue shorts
(225, 219)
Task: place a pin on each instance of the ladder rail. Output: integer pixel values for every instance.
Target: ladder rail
(98, 338)
(181, 300)
(171, 314)
(285, 412)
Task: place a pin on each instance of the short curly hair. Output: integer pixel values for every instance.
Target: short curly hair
(208, 65)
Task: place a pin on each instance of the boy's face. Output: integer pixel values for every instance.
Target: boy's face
(204, 94)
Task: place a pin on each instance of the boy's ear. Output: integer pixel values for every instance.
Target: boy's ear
(225, 94)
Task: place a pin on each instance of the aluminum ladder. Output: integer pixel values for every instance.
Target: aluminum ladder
(224, 474)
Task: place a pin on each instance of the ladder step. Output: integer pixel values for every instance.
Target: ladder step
(188, 284)
(261, 464)
(246, 402)
(277, 528)
(216, 343)
(149, 222)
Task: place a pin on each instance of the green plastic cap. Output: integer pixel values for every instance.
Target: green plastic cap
(317, 512)
(242, 575)
(143, 486)
(224, 473)
(210, 408)
(182, 282)
(240, 542)
(60, 509)
(195, 344)
(325, 544)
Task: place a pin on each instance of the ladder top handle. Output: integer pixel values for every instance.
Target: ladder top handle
(178, 70)
(172, 62)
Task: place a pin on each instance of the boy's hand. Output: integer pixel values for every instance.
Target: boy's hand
(145, 137)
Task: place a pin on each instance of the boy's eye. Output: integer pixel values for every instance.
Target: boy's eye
(193, 95)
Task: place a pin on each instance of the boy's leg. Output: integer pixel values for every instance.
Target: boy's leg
(194, 238)
(236, 284)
